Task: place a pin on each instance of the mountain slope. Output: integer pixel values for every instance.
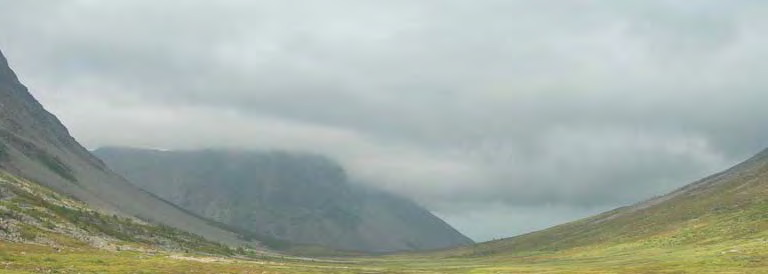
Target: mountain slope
(727, 209)
(300, 198)
(35, 145)
(33, 214)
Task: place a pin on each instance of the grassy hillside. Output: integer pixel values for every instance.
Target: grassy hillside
(716, 225)
(730, 206)
(32, 214)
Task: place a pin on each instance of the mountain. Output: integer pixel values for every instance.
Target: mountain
(34, 145)
(721, 214)
(300, 198)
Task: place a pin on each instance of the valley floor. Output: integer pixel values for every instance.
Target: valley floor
(743, 257)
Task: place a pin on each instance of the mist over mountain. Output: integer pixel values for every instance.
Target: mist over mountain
(303, 199)
(300, 198)
(35, 145)
(462, 106)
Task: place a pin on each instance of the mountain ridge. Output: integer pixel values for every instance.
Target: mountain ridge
(298, 197)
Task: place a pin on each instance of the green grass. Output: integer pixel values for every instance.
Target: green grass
(750, 257)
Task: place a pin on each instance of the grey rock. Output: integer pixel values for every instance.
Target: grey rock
(296, 197)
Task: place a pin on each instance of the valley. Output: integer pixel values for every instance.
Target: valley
(716, 225)
(384, 137)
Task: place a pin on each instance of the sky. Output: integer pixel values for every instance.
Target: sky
(500, 116)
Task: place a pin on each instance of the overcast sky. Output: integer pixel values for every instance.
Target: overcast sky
(501, 116)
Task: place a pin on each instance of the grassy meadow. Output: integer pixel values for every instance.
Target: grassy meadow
(747, 256)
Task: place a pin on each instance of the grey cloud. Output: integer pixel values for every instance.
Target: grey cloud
(460, 105)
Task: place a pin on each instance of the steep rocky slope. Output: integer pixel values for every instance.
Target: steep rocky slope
(300, 198)
(35, 145)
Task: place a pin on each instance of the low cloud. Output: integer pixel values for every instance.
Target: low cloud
(477, 110)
